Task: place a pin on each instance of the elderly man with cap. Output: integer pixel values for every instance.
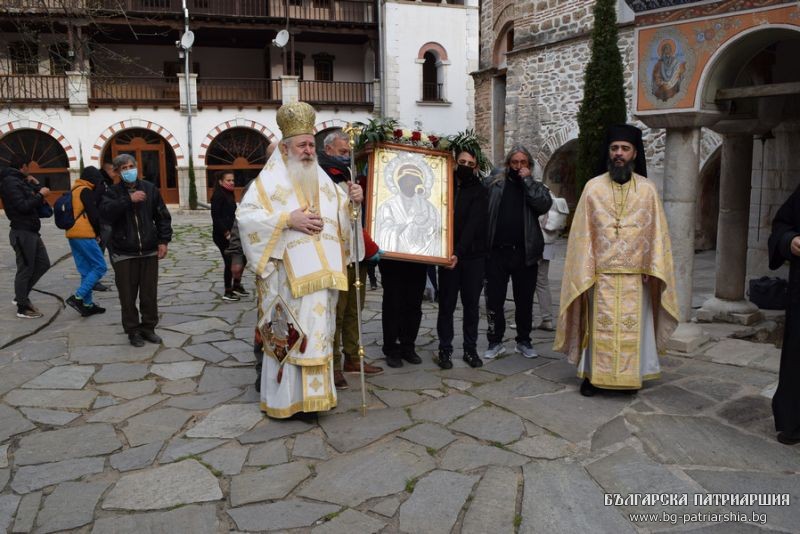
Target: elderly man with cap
(295, 227)
(618, 300)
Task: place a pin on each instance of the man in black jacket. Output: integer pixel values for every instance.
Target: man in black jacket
(466, 270)
(515, 243)
(22, 197)
(140, 230)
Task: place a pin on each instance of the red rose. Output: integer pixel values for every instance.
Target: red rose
(398, 133)
(416, 136)
(433, 139)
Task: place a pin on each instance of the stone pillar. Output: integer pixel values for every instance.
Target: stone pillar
(290, 89)
(192, 91)
(729, 303)
(78, 92)
(681, 169)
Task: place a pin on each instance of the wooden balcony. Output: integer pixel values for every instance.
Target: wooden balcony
(238, 92)
(337, 93)
(360, 12)
(34, 89)
(134, 90)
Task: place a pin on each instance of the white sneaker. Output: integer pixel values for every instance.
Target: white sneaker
(494, 350)
(526, 350)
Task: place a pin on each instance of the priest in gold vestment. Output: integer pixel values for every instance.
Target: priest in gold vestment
(618, 300)
(295, 229)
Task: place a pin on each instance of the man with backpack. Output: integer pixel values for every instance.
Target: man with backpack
(22, 198)
(141, 228)
(77, 213)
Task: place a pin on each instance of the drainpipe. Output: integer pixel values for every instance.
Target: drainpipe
(382, 51)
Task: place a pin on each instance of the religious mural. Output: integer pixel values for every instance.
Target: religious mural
(668, 67)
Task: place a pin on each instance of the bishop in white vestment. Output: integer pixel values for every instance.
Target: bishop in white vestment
(294, 225)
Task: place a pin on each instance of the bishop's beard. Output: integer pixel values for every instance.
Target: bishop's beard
(621, 174)
(304, 173)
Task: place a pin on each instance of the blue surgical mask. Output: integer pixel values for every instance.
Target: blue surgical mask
(129, 175)
(344, 160)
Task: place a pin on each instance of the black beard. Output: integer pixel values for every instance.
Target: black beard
(621, 175)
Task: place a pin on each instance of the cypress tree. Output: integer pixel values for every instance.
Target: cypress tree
(603, 92)
(192, 187)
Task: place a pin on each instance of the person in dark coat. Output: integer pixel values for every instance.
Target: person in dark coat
(465, 273)
(784, 246)
(223, 217)
(22, 197)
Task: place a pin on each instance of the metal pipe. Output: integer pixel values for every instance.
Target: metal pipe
(188, 86)
(382, 59)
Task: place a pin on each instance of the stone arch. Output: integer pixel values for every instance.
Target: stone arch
(556, 140)
(559, 171)
(436, 48)
(727, 60)
(502, 45)
(25, 124)
(111, 131)
(235, 123)
(332, 123)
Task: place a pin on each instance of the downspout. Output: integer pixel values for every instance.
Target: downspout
(382, 59)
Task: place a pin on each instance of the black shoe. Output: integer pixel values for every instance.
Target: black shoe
(788, 438)
(152, 337)
(240, 291)
(411, 357)
(77, 304)
(444, 359)
(94, 309)
(230, 296)
(394, 361)
(588, 389)
(101, 287)
(472, 358)
(136, 339)
(373, 285)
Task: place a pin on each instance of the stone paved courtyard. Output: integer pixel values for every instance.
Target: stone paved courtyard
(98, 436)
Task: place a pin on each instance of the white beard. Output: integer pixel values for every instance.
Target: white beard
(304, 174)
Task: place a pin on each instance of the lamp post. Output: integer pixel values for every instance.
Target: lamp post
(185, 46)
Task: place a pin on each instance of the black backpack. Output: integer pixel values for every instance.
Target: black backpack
(62, 209)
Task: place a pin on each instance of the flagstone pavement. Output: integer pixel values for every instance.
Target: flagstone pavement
(98, 436)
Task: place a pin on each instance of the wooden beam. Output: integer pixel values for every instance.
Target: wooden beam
(757, 91)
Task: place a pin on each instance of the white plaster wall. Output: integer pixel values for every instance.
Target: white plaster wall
(83, 132)
(410, 25)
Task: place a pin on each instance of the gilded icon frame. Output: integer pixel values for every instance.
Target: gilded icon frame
(417, 228)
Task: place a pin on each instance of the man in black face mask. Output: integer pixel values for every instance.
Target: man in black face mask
(466, 269)
(515, 243)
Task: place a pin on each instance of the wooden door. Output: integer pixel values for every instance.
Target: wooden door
(151, 161)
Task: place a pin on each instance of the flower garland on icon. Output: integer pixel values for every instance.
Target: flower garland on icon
(388, 130)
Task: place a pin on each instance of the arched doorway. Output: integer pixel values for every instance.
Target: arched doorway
(707, 211)
(47, 160)
(239, 150)
(559, 174)
(155, 159)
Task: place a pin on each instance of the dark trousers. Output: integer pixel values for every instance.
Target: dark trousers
(373, 279)
(345, 338)
(505, 263)
(138, 277)
(222, 245)
(403, 286)
(467, 279)
(32, 263)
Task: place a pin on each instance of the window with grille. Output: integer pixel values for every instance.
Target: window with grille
(24, 57)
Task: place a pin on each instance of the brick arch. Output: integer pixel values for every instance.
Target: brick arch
(556, 140)
(333, 123)
(25, 124)
(111, 131)
(235, 123)
(431, 46)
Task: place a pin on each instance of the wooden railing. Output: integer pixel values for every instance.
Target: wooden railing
(33, 88)
(315, 92)
(143, 90)
(432, 92)
(347, 11)
(243, 91)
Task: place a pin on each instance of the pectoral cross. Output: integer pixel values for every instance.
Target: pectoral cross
(617, 226)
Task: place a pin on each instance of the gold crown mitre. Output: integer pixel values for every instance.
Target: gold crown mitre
(296, 118)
